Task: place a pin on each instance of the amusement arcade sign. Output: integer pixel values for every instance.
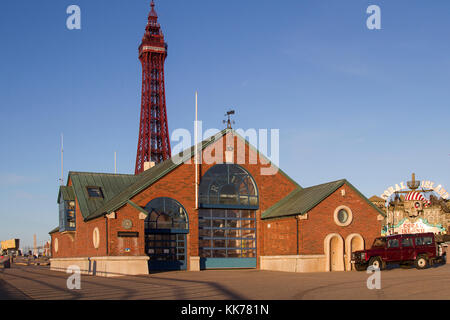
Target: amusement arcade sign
(419, 226)
(406, 226)
(428, 185)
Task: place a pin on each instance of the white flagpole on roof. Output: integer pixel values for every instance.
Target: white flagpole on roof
(196, 149)
(62, 159)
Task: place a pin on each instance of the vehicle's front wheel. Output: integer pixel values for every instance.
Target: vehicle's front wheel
(376, 263)
(421, 262)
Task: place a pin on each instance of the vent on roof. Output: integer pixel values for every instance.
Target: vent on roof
(95, 192)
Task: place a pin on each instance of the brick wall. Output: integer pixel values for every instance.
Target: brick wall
(118, 245)
(280, 237)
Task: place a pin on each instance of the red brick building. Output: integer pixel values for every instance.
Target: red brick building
(242, 217)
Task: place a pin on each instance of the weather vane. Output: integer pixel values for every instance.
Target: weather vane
(229, 122)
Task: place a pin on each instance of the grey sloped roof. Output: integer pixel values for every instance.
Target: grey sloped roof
(150, 176)
(110, 184)
(300, 201)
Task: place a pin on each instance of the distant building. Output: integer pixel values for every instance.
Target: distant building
(378, 202)
(46, 250)
(10, 246)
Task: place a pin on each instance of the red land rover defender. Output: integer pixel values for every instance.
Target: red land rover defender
(420, 249)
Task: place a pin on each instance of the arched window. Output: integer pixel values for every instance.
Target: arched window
(228, 186)
(166, 214)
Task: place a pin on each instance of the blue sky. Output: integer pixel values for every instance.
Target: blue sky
(371, 106)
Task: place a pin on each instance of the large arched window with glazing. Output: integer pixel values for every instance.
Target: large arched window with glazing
(228, 200)
(228, 186)
(166, 214)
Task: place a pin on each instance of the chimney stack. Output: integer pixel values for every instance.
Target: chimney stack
(149, 165)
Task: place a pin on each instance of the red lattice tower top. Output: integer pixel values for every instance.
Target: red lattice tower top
(154, 143)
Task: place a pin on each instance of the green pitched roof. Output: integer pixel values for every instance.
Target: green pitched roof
(110, 184)
(150, 176)
(300, 201)
(66, 192)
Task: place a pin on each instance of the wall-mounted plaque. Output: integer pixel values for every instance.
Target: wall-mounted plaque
(127, 234)
(127, 224)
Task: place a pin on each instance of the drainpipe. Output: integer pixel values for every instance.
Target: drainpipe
(106, 225)
(297, 220)
(196, 150)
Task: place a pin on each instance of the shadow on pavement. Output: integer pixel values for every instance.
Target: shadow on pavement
(411, 266)
(8, 292)
(177, 287)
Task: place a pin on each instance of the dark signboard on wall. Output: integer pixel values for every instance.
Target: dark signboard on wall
(127, 234)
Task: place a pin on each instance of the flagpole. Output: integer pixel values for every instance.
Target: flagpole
(196, 149)
(62, 159)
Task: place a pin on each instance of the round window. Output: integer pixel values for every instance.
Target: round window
(342, 216)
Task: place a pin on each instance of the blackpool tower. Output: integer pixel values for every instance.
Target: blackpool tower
(153, 144)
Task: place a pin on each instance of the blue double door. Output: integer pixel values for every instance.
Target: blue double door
(166, 250)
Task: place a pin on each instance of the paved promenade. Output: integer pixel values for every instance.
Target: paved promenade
(37, 282)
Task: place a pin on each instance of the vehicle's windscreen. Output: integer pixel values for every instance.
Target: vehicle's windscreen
(379, 242)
